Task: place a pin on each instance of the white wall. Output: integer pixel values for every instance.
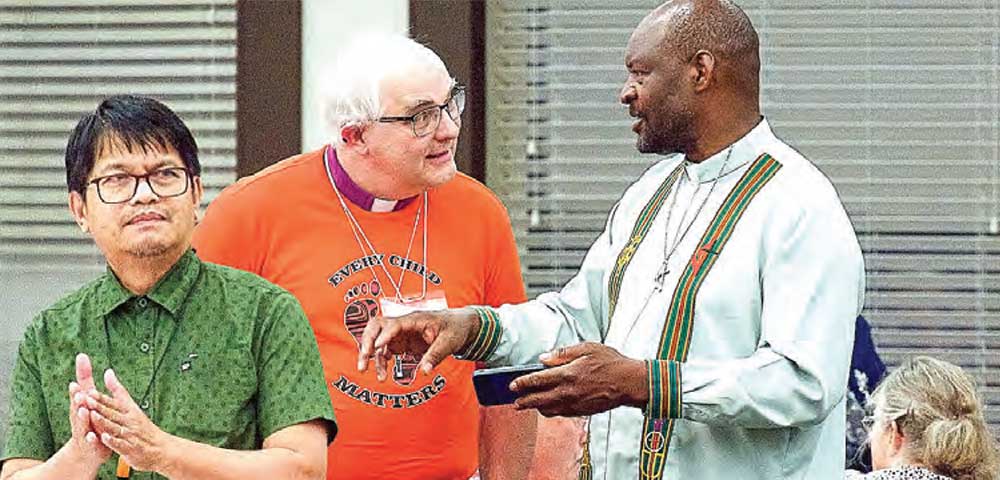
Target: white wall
(326, 24)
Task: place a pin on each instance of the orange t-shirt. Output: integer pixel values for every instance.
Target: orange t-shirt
(287, 225)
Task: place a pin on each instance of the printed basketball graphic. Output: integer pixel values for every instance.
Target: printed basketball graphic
(356, 317)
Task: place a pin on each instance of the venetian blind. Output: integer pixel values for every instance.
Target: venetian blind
(895, 100)
(58, 58)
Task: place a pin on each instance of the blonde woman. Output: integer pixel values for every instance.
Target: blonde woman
(928, 425)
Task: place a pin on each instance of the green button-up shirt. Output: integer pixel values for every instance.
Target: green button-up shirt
(212, 354)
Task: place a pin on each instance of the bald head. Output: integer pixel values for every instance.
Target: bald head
(716, 26)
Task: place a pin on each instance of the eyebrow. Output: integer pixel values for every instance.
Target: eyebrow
(636, 63)
(113, 166)
(124, 168)
(420, 105)
(427, 102)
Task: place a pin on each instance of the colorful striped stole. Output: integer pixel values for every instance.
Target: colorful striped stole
(676, 337)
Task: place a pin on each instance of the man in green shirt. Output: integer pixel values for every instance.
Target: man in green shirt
(209, 372)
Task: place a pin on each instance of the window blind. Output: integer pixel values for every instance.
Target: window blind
(58, 58)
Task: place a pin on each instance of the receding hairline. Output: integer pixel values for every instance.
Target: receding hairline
(354, 93)
(405, 75)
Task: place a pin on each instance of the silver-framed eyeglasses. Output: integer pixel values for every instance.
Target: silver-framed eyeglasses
(121, 187)
(427, 120)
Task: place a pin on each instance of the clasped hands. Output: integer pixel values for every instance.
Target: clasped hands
(102, 424)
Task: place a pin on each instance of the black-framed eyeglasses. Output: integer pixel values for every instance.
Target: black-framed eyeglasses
(121, 187)
(427, 120)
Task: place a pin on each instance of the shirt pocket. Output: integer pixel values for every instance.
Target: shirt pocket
(213, 399)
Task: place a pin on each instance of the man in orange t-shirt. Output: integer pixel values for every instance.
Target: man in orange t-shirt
(376, 223)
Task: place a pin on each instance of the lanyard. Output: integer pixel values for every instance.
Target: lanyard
(366, 245)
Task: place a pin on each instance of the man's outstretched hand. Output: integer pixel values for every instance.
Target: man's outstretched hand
(434, 334)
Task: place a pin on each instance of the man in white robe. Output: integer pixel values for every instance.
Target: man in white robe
(708, 333)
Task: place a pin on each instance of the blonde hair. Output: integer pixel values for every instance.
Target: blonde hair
(352, 89)
(936, 407)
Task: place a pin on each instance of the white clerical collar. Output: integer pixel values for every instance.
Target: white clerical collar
(382, 205)
(744, 150)
(341, 181)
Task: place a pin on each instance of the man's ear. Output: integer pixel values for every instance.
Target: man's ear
(352, 135)
(703, 70)
(197, 192)
(78, 207)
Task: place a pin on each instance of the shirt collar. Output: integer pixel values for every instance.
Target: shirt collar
(110, 293)
(747, 148)
(170, 292)
(357, 195)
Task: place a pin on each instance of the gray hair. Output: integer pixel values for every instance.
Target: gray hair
(352, 93)
(934, 403)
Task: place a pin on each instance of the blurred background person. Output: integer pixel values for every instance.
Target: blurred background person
(867, 371)
(928, 424)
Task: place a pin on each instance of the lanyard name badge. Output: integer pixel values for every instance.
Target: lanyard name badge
(394, 307)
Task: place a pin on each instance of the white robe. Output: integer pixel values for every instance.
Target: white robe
(764, 381)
